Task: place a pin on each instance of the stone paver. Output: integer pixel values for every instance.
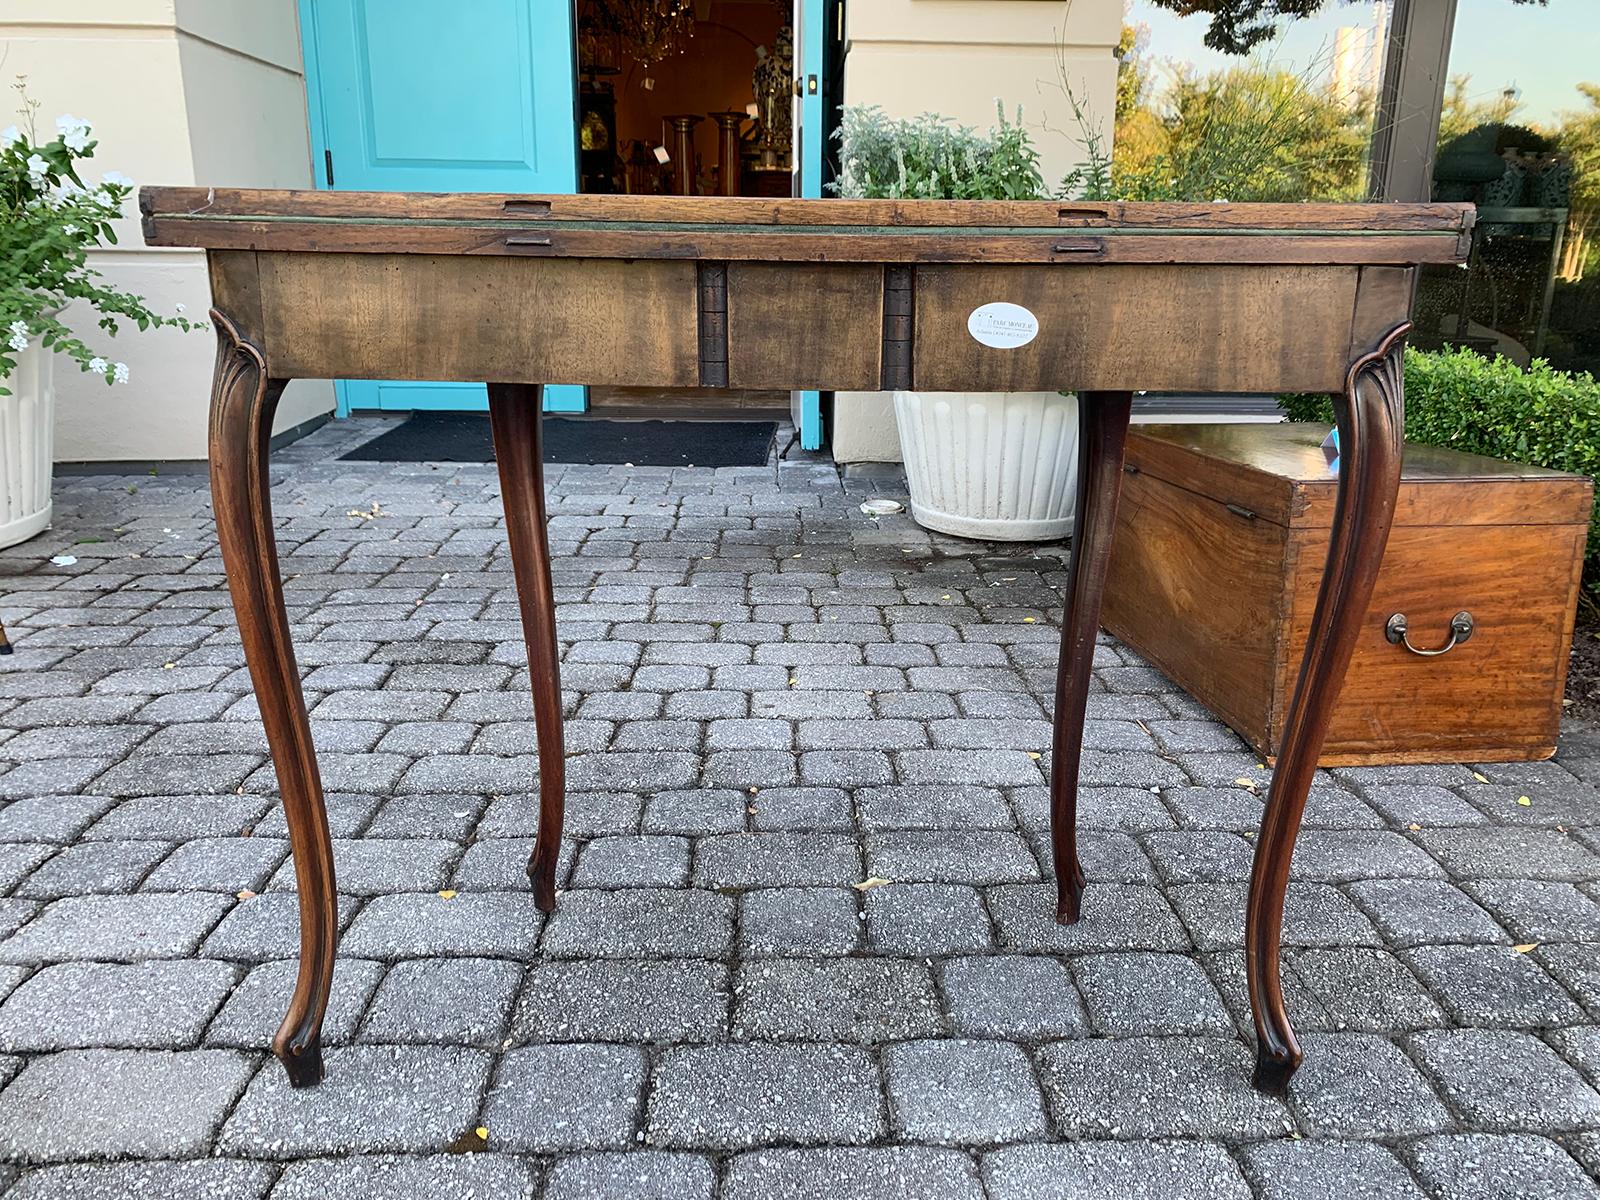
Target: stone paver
(94, 1104)
(805, 940)
(157, 1004)
(642, 1175)
(1157, 1087)
(579, 1096)
(835, 999)
(1500, 1167)
(891, 1173)
(116, 928)
(1505, 1080)
(404, 1177)
(648, 1001)
(1307, 1170)
(216, 1179)
(957, 1092)
(733, 1097)
(1153, 1170)
(374, 1100)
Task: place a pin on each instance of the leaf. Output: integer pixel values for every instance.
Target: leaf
(447, 894)
(1480, 778)
(471, 1142)
(866, 885)
(1525, 801)
(1525, 947)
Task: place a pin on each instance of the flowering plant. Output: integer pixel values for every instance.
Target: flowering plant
(49, 221)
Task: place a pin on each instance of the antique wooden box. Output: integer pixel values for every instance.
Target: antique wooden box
(1214, 580)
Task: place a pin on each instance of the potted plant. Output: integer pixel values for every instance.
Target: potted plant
(49, 221)
(998, 466)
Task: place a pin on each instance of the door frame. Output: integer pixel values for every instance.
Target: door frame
(556, 399)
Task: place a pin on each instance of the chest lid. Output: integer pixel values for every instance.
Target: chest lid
(1279, 473)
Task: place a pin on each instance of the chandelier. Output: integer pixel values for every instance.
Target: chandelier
(647, 30)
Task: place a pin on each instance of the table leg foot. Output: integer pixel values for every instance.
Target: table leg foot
(1069, 898)
(1102, 437)
(304, 1065)
(515, 416)
(1371, 414)
(1273, 1071)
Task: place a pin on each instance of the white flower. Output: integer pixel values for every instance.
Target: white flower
(9, 137)
(98, 365)
(119, 373)
(19, 335)
(74, 132)
(37, 168)
(116, 177)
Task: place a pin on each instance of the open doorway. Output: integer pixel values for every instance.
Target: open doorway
(687, 98)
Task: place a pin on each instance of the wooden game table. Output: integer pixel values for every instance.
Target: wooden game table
(520, 291)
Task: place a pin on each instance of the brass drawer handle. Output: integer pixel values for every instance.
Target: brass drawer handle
(1083, 247)
(1461, 627)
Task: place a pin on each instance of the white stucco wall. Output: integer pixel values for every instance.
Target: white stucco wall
(179, 92)
(955, 58)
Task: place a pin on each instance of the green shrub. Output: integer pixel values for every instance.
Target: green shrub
(1539, 416)
(931, 158)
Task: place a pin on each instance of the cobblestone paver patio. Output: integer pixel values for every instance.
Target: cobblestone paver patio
(771, 697)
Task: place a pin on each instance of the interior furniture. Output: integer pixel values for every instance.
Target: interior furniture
(1462, 653)
(729, 148)
(1533, 225)
(683, 157)
(839, 295)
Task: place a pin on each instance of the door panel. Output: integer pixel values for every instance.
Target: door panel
(437, 96)
(810, 37)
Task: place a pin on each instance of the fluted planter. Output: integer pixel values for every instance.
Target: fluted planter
(1000, 466)
(27, 446)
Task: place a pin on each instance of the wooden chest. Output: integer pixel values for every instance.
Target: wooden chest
(1214, 581)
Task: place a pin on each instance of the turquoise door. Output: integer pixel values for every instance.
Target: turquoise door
(441, 96)
(810, 140)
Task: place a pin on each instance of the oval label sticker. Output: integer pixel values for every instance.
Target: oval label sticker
(1003, 325)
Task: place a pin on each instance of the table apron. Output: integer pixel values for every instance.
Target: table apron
(1223, 327)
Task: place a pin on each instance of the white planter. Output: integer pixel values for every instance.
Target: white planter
(27, 446)
(1001, 466)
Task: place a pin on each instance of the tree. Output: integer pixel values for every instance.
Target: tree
(1462, 114)
(1238, 25)
(1579, 139)
(1251, 132)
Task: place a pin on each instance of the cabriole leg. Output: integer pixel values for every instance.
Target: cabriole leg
(242, 403)
(514, 415)
(1102, 437)
(1371, 418)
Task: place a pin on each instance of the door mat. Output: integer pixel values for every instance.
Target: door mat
(465, 437)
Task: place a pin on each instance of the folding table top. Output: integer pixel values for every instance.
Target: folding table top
(753, 230)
